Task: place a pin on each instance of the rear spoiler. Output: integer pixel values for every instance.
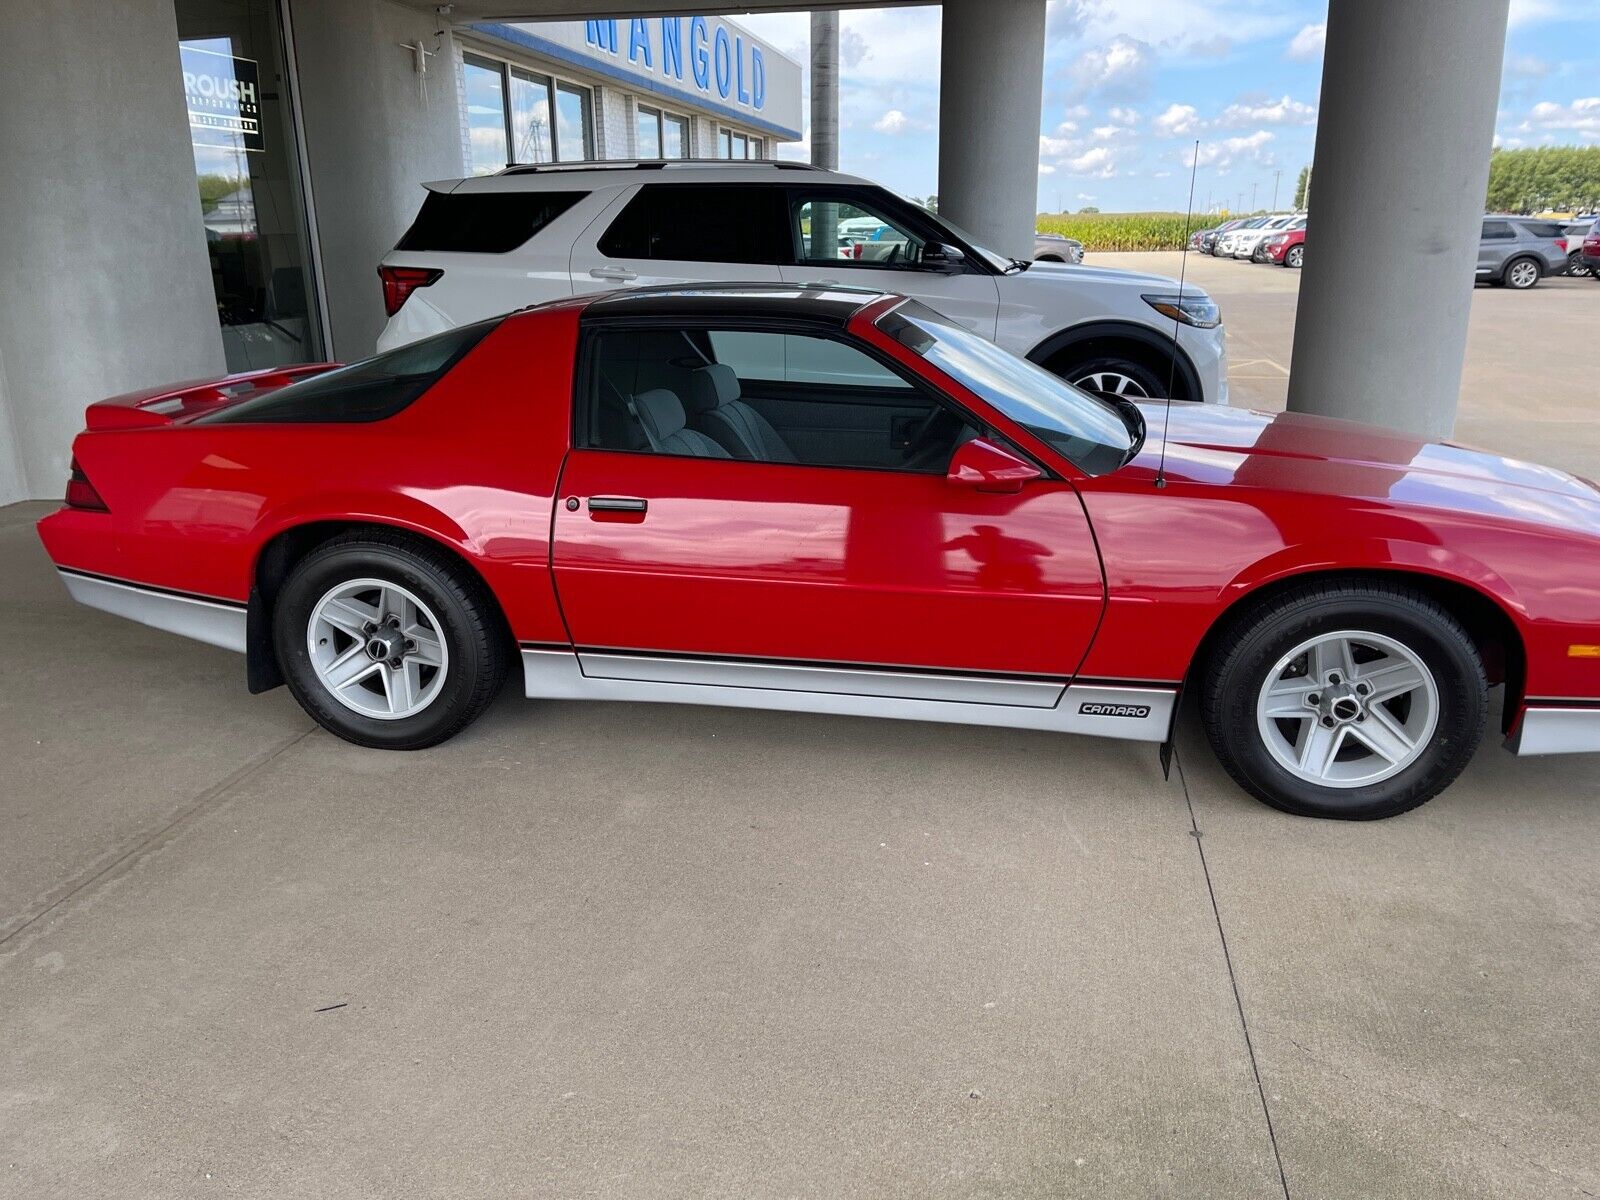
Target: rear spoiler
(184, 401)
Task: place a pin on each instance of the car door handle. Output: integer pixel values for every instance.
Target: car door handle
(621, 274)
(627, 504)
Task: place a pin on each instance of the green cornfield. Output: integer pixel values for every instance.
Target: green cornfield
(1124, 231)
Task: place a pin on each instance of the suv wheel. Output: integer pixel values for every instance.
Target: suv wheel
(1112, 373)
(1576, 267)
(1345, 700)
(1522, 274)
(1296, 257)
(386, 643)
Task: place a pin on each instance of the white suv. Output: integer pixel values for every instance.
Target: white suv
(491, 244)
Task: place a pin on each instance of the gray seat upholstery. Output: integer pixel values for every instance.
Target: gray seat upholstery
(716, 410)
(661, 415)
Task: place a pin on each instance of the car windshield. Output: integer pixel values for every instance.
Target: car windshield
(1091, 434)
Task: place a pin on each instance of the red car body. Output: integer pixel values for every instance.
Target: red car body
(1106, 581)
(1274, 251)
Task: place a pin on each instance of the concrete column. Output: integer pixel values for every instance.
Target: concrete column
(991, 86)
(1402, 163)
(104, 281)
(825, 89)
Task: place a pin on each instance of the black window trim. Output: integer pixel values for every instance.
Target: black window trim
(590, 328)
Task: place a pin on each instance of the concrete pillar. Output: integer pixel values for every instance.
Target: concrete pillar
(105, 286)
(1409, 93)
(991, 85)
(825, 89)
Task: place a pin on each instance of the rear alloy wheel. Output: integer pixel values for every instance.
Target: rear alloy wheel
(1295, 257)
(1522, 274)
(1576, 267)
(1345, 700)
(1116, 376)
(388, 643)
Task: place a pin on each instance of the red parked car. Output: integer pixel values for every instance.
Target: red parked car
(1287, 247)
(1591, 252)
(837, 501)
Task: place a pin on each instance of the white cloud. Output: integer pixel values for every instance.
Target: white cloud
(1306, 46)
(1283, 111)
(1222, 154)
(1123, 116)
(1179, 120)
(1086, 196)
(893, 121)
(1211, 47)
(1098, 161)
(1120, 67)
(1527, 66)
(1581, 116)
(1046, 169)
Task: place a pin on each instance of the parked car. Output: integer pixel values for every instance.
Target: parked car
(1210, 237)
(834, 500)
(488, 245)
(1517, 252)
(1574, 232)
(1056, 247)
(1286, 247)
(1591, 252)
(1246, 241)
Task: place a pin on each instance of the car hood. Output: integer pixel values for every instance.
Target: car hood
(1080, 274)
(1297, 452)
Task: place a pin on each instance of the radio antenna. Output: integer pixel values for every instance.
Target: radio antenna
(1172, 370)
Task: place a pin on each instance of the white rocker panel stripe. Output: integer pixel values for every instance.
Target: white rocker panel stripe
(1557, 731)
(214, 622)
(1141, 713)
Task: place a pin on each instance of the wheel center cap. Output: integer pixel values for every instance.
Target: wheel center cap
(1346, 708)
(385, 644)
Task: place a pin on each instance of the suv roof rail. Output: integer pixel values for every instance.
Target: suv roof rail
(653, 164)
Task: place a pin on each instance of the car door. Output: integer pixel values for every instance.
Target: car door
(676, 561)
(662, 233)
(850, 236)
(1495, 247)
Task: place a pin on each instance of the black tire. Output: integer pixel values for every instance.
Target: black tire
(1294, 256)
(472, 628)
(1144, 382)
(1530, 278)
(1252, 644)
(1055, 258)
(1576, 267)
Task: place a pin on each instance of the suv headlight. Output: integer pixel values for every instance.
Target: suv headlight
(1198, 310)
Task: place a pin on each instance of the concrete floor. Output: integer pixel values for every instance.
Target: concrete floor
(627, 951)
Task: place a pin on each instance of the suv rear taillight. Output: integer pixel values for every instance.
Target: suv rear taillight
(81, 493)
(1561, 245)
(400, 282)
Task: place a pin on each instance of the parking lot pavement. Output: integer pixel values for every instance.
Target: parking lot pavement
(637, 951)
(1530, 387)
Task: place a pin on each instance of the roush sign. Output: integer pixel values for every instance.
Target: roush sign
(223, 95)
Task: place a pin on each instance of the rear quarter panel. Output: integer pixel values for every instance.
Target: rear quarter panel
(472, 464)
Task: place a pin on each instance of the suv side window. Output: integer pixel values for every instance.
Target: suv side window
(721, 223)
(835, 231)
(483, 222)
(1498, 230)
(759, 395)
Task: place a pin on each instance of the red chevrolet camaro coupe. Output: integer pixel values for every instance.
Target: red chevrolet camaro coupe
(835, 501)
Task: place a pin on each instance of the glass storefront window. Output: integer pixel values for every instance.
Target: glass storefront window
(486, 116)
(647, 124)
(247, 170)
(674, 136)
(738, 145)
(530, 118)
(574, 123)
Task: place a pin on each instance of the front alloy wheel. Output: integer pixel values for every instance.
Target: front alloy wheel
(1522, 274)
(1115, 376)
(1296, 257)
(1344, 699)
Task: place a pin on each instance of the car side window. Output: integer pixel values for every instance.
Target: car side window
(838, 232)
(721, 223)
(1497, 230)
(761, 396)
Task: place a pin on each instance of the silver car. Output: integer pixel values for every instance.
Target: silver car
(1517, 252)
(1056, 247)
(1575, 231)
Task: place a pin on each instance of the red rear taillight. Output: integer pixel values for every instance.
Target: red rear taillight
(400, 282)
(81, 493)
(855, 251)
(1561, 245)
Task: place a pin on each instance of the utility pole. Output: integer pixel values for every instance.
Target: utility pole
(1276, 175)
(1252, 197)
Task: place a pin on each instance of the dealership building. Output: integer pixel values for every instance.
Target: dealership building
(214, 181)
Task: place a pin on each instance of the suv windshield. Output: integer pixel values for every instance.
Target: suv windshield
(1089, 433)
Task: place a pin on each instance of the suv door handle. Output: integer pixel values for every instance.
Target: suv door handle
(617, 273)
(628, 504)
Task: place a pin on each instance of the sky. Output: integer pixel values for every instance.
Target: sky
(1130, 84)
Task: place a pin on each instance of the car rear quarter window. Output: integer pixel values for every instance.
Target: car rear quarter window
(1498, 230)
(1541, 229)
(365, 391)
(723, 223)
(483, 222)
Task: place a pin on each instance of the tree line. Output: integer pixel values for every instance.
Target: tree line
(1561, 178)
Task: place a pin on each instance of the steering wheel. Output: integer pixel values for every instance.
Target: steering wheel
(894, 254)
(921, 446)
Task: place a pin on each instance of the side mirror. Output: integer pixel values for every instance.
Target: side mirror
(939, 256)
(986, 467)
